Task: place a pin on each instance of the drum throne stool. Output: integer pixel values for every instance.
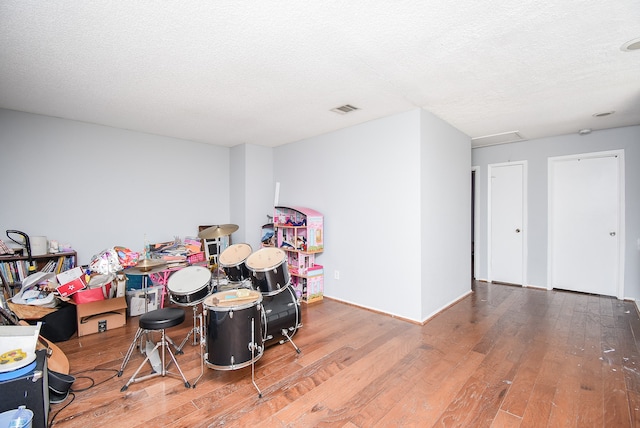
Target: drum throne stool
(157, 320)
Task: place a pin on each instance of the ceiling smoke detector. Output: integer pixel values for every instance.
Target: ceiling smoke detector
(347, 108)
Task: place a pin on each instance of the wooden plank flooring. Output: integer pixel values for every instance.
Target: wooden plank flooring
(502, 357)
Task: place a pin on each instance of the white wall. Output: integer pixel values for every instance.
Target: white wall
(252, 191)
(378, 185)
(238, 186)
(260, 191)
(365, 180)
(97, 187)
(388, 189)
(446, 214)
(536, 152)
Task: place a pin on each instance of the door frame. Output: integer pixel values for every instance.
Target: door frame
(525, 224)
(551, 161)
(475, 172)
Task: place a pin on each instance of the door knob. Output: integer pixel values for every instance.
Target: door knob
(517, 230)
(612, 233)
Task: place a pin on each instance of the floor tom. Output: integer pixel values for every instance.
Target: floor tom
(280, 312)
(234, 336)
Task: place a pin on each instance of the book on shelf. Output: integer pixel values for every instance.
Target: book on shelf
(5, 274)
(60, 265)
(15, 271)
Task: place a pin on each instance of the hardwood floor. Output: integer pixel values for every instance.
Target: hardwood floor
(504, 357)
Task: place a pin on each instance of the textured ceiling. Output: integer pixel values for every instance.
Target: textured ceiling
(268, 73)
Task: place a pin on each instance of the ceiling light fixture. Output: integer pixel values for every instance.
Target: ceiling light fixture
(603, 114)
(631, 45)
(585, 131)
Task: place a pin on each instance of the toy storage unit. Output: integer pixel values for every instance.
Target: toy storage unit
(299, 232)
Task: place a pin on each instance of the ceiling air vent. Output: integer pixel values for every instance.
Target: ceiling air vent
(493, 139)
(347, 108)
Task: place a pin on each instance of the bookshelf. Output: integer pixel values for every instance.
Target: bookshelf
(16, 268)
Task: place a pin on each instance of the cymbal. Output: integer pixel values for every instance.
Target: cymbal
(146, 266)
(137, 271)
(217, 231)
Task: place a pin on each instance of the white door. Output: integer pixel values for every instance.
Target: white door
(506, 222)
(584, 223)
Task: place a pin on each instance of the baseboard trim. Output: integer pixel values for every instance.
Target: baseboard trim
(377, 311)
(409, 320)
(445, 307)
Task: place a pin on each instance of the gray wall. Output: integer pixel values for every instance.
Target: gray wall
(394, 193)
(396, 200)
(537, 152)
(97, 187)
(252, 191)
(445, 213)
(365, 180)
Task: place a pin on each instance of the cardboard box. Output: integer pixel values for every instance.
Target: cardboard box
(103, 315)
(136, 299)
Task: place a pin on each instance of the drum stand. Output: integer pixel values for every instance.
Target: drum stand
(195, 331)
(203, 343)
(253, 346)
(285, 333)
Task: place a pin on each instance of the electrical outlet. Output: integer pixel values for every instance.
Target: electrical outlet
(336, 274)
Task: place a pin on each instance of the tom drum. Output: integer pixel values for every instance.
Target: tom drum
(232, 261)
(270, 273)
(189, 286)
(234, 329)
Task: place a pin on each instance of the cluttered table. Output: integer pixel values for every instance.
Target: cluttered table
(30, 312)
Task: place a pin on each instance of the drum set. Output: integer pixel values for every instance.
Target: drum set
(256, 308)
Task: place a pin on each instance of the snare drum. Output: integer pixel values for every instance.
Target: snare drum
(270, 271)
(189, 286)
(234, 328)
(232, 262)
(280, 312)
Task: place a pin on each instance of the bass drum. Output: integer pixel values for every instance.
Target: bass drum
(234, 329)
(189, 286)
(270, 272)
(232, 262)
(280, 312)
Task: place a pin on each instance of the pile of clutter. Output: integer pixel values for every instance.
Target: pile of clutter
(177, 253)
(103, 278)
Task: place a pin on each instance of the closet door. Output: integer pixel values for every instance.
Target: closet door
(506, 222)
(584, 223)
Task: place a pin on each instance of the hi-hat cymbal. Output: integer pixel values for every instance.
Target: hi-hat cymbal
(217, 231)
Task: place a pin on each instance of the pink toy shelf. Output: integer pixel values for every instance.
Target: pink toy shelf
(299, 232)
